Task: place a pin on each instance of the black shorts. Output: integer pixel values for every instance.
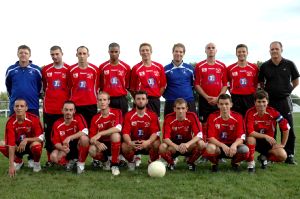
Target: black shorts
(241, 103)
(205, 109)
(49, 120)
(262, 146)
(73, 154)
(26, 151)
(87, 112)
(119, 103)
(169, 107)
(154, 105)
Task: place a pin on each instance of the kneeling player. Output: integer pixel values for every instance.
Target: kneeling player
(70, 139)
(182, 136)
(261, 123)
(226, 135)
(140, 131)
(23, 135)
(105, 136)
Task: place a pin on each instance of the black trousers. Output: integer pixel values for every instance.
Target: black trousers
(49, 120)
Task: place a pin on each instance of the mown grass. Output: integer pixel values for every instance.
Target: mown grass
(277, 181)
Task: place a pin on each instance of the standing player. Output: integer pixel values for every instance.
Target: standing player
(182, 135)
(140, 131)
(84, 85)
(24, 80)
(114, 79)
(210, 82)
(56, 92)
(226, 135)
(149, 76)
(242, 81)
(180, 81)
(261, 122)
(279, 77)
(23, 135)
(105, 135)
(70, 139)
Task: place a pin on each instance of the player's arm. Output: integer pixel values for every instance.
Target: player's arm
(169, 142)
(233, 147)
(11, 156)
(110, 131)
(192, 141)
(199, 90)
(148, 142)
(295, 83)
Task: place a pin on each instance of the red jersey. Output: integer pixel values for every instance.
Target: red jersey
(150, 79)
(242, 80)
(100, 123)
(55, 85)
(265, 124)
(15, 133)
(141, 128)
(114, 79)
(84, 84)
(61, 131)
(182, 131)
(211, 78)
(226, 131)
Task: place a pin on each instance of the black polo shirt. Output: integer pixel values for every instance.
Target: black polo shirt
(277, 78)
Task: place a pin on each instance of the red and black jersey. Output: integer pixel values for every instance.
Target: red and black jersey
(141, 127)
(114, 79)
(61, 130)
(266, 123)
(242, 80)
(226, 131)
(182, 131)
(211, 78)
(148, 78)
(55, 85)
(84, 84)
(100, 123)
(15, 132)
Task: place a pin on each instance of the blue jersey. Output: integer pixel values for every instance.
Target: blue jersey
(25, 83)
(179, 82)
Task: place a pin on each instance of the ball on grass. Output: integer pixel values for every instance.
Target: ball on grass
(157, 169)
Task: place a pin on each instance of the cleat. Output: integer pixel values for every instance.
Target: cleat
(263, 160)
(290, 160)
(49, 164)
(36, 167)
(171, 167)
(106, 165)
(176, 160)
(192, 167)
(138, 160)
(251, 170)
(131, 166)
(71, 165)
(122, 163)
(202, 160)
(214, 168)
(115, 170)
(30, 163)
(96, 163)
(251, 166)
(222, 160)
(80, 167)
(18, 166)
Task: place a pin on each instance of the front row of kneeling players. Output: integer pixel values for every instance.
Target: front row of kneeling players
(182, 135)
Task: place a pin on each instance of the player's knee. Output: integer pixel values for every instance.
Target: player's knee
(201, 144)
(251, 140)
(2, 143)
(53, 157)
(163, 148)
(242, 149)
(211, 148)
(92, 150)
(281, 155)
(156, 144)
(115, 137)
(125, 147)
(84, 140)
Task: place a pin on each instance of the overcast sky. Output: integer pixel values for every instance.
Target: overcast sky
(95, 24)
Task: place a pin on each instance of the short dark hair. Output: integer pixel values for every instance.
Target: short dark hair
(261, 94)
(113, 45)
(55, 48)
(70, 102)
(241, 46)
(141, 92)
(145, 44)
(82, 47)
(178, 45)
(24, 47)
(276, 42)
(224, 97)
(20, 99)
(180, 101)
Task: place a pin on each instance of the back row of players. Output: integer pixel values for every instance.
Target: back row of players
(114, 77)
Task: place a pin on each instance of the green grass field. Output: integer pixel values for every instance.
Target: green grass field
(277, 181)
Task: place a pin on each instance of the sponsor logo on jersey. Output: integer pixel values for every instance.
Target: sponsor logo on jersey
(82, 84)
(140, 133)
(147, 124)
(223, 135)
(235, 74)
(178, 137)
(217, 126)
(100, 126)
(231, 127)
(63, 75)
(56, 83)
(142, 73)
(75, 75)
(211, 78)
(49, 74)
(151, 82)
(106, 72)
(62, 133)
(243, 81)
(204, 69)
(114, 81)
(133, 123)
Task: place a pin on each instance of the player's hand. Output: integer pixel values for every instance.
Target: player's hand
(183, 148)
(67, 141)
(93, 140)
(277, 146)
(213, 101)
(101, 146)
(12, 171)
(271, 140)
(232, 150)
(65, 149)
(226, 149)
(144, 144)
(22, 146)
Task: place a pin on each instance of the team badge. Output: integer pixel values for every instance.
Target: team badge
(178, 137)
(223, 135)
(133, 123)
(140, 133)
(147, 124)
(243, 81)
(142, 73)
(49, 74)
(63, 75)
(249, 73)
(114, 81)
(121, 73)
(106, 72)
(204, 69)
(89, 76)
(218, 70)
(217, 126)
(100, 126)
(75, 75)
(82, 84)
(62, 133)
(156, 73)
(56, 83)
(151, 82)
(211, 78)
(235, 74)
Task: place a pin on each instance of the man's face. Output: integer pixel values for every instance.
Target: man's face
(82, 55)
(20, 107)
(180, 110)
(68, 111)
(224, 105)
(23, 55)
(211, 50)
(114, 53)
(275, 50)
(178, 54)
(261, 104)
(242, 53)
(103, 101)
(145, 52)
(141, 101)
(56, 56)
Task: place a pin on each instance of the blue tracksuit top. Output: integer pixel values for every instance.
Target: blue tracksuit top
(179, 82)
(25, 83)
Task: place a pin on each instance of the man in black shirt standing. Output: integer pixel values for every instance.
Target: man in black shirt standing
(279, 77)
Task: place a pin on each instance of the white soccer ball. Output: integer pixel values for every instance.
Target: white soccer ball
(157, 169)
